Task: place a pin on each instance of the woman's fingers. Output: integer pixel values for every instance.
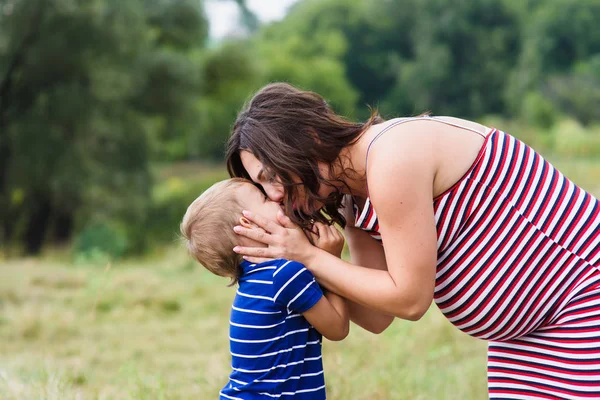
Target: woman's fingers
(257, 234)
(314, 237)
(323, 231)
(263, 222)
(335, 231)
(255, 253)
(320, 228)
(244, 222)
(285, 221)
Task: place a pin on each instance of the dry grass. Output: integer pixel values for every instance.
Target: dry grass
(159, 331)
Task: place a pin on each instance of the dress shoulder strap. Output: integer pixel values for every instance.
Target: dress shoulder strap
(394, 122)
(455, 122)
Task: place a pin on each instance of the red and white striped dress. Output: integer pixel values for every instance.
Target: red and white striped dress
(519, 265)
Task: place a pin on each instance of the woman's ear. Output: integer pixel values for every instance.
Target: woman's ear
(246, 223)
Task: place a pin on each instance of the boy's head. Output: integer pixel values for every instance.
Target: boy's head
(207, 226)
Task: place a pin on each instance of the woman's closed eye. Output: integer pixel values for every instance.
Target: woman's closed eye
(266, 176)
(271, 177)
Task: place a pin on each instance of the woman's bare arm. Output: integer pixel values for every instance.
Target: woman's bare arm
(364, 250)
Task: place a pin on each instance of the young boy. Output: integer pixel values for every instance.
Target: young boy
(275, 348)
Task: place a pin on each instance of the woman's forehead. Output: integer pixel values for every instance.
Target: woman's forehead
(253, 166)
(250, 162)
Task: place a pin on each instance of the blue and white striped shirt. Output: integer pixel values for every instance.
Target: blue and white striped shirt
(275, 352)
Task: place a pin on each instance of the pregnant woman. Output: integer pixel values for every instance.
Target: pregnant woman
(435, 208)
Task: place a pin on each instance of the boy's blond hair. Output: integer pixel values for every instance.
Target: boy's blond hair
(207, 228)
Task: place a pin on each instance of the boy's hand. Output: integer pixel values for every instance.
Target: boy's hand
(328, 238)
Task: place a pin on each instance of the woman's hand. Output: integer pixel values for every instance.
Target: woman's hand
(328, 238)
(284, 241)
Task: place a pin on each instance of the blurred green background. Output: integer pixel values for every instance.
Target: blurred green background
(113, 118)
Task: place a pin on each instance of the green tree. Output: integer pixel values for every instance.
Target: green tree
(405, 56)
(309, 52)
(578, 92)
(231, 74)
(557, 36)
(248, 18)
(461, 54)
(82, 83)
(374, 35)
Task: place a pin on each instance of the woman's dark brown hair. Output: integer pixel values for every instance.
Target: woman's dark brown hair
(290, 131)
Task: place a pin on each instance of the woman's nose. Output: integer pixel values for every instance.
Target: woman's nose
(275, 193)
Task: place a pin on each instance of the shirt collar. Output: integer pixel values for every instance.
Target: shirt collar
(247, 266)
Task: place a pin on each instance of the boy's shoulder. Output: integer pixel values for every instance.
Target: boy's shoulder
(278, 273)
(290, 283)
(289, 265)
(287, 270)
(295, 286)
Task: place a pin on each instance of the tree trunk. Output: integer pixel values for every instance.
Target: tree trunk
(7, 229)
(6, 84)
(6, 220)
(63, 227)
(38, 225)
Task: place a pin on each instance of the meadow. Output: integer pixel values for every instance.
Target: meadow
(157, 328)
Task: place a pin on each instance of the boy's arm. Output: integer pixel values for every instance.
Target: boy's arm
(330, 317)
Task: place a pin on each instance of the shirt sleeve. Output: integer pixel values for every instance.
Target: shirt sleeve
(295, 287)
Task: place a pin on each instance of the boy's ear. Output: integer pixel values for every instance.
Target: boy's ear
(246, 223)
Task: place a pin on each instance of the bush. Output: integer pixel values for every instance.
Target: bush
(573, 139)
(534, 136)
(171, 199)
(538, 111)
(577, 94)
(99, 243)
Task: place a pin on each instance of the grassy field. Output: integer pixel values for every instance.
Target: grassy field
(156, 328)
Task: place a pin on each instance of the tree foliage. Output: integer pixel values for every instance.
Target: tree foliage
(94, 93)
(80, 81)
